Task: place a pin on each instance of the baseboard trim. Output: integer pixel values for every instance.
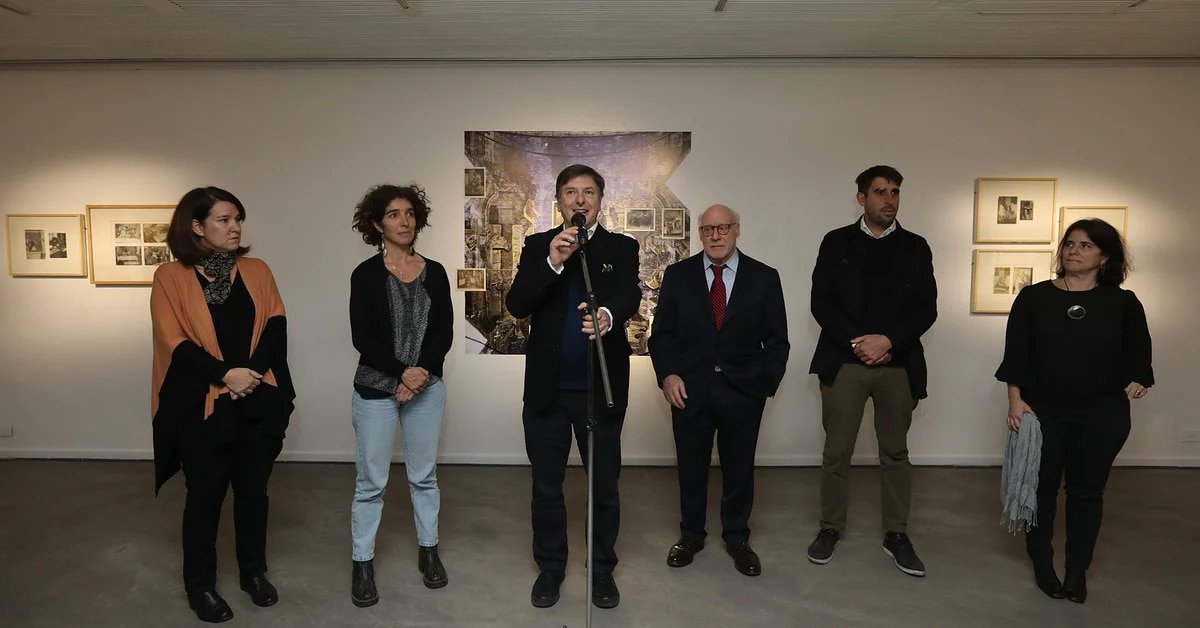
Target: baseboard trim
(631, 461)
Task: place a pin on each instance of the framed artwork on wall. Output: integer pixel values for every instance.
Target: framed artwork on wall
(128, 242)
(1117, 216)
(1014, 211)
(997, 276)
(46, 245)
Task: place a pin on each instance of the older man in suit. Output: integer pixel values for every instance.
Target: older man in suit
(549, 287)
(719, 346)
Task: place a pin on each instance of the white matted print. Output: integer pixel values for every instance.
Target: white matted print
(639, 219)
(46, 245)
(128, 242)
(997, 277)
(1114, 215)
(1014, 211)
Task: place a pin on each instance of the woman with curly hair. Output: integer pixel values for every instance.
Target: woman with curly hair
(1077, 351)
(402, 323)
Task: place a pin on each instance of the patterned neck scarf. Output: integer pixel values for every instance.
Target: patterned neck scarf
(218, 265)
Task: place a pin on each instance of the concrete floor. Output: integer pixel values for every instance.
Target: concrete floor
(86, 544)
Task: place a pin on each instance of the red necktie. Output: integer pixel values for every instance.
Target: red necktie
(717, 294)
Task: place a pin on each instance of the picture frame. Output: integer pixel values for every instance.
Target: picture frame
(474, 182)
(46, 245)
(128, 242)
(472, 279)
(1115, 215)
(639, 219)
(1014, 210)
(998, 275)
(674, 223)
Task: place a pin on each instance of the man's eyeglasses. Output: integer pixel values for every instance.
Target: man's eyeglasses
(707, 230)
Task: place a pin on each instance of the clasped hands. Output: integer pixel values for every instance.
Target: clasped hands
(413, 380)
(241, 381)
(872, 349)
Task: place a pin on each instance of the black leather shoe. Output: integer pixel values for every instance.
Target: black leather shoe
(744, 559)
(604, 590)
(209, 606)
(362, 584)
(1075, 587)
(545, 589)
(431, 566)
(262, 593)
(1048, 581)
(683, 552)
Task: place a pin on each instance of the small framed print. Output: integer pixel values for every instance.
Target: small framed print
(1117, 216)
(555, 215)
(674, 223)
(46, 245)
(474, 182)
(128, 242)
(472, 279)
(997, 277)
(639, 219)
(1014, 211)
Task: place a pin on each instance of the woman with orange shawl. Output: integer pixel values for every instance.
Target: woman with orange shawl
(221, 394)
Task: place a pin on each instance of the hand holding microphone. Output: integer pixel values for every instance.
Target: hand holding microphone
(568, 241)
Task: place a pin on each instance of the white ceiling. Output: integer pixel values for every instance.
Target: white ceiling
(314, 30)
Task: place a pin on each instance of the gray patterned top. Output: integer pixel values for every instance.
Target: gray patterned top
(409, 303)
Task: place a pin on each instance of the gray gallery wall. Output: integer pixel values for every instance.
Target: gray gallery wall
(781, 143)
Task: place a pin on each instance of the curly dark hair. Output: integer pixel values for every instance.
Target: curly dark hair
(1106, 237)
(369, 211)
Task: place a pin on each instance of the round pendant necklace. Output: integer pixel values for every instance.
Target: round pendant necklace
(1074, 312)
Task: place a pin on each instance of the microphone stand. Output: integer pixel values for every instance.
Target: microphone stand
(595, 349)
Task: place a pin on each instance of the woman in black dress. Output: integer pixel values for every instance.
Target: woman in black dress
(1076, 352)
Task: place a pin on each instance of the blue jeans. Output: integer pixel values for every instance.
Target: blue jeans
(375, 422)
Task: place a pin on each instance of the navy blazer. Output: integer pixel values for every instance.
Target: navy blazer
(839, 301)
(539, 292)
(750, 351)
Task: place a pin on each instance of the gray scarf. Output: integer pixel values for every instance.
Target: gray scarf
(1019, 476)
(218, 265)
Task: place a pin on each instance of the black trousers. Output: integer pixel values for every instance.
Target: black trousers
(734, 418)
(548, 443)
(1080, 442)
(212, 462)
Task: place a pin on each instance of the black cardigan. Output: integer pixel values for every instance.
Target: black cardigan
(371, 318)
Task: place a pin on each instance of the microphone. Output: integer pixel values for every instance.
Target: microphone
(577, 220)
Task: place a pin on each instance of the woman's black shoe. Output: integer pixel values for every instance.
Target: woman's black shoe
(209, 606)
(362, 584)
(1048, 581)
(1075, 587)
(431, 566)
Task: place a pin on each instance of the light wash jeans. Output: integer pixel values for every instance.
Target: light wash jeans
(375, 422)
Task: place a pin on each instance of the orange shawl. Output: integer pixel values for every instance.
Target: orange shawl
(179, 313)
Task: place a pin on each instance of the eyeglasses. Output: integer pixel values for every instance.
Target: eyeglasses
(707, 230)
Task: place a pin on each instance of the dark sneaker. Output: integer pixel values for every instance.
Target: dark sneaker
(897, 546)
(820, 551)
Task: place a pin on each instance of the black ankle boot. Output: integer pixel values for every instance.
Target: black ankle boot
(431, 566)
(1047, 580)
(1075, 587)
(362, 584)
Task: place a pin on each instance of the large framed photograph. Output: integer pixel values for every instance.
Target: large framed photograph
(1114, 215)
(1014, 211)
(997, 277)
(46, 245)
(128, 242)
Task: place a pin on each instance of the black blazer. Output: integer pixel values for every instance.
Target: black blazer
(839, 298)
(751, 349)
(539, 292)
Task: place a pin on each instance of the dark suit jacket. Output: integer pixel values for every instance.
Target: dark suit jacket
(751, 349)
(539, 292)
(839, 297)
